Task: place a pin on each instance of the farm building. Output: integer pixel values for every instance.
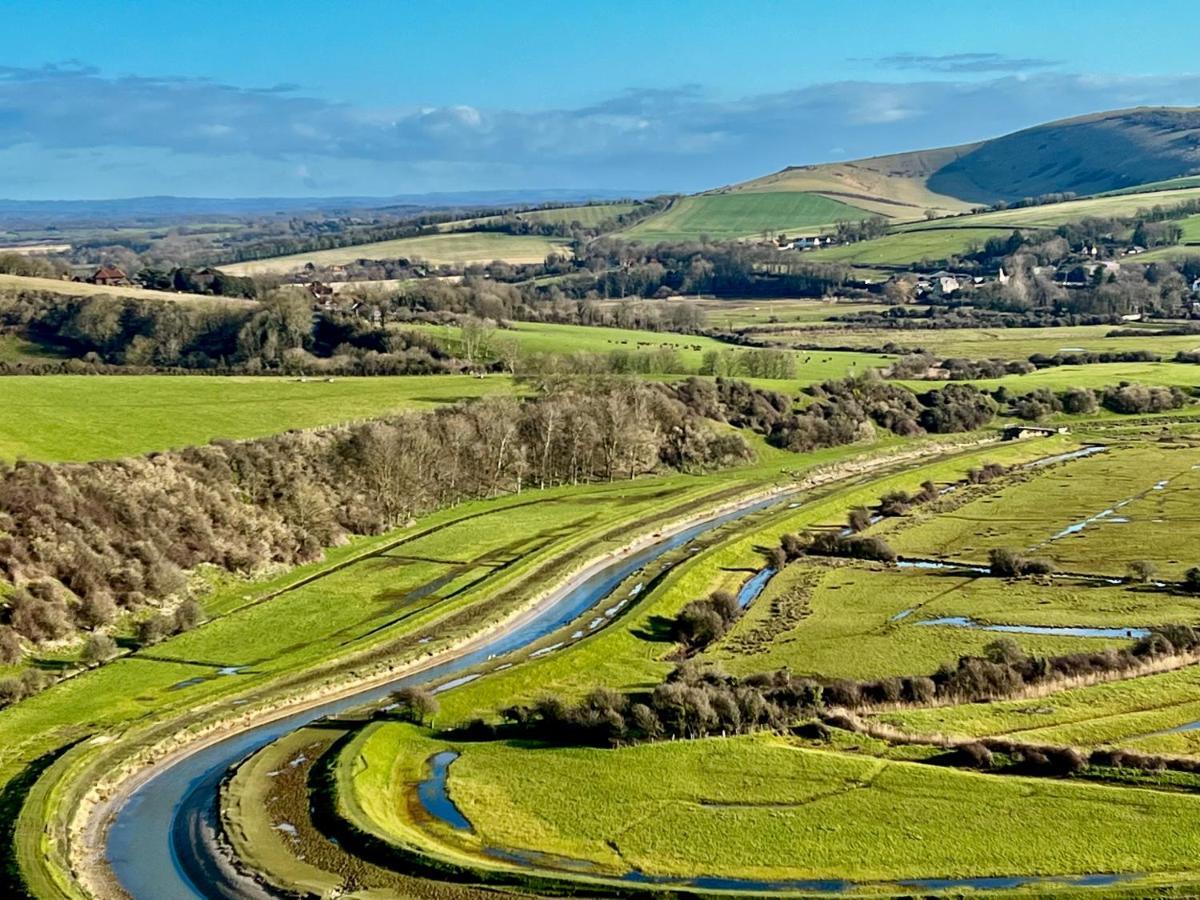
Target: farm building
(109, 275)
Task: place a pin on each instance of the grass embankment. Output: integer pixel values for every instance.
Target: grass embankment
(742, 215)
(454, 248)
(760, 807)
(77, 418)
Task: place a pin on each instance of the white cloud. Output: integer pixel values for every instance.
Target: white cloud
(652, 139)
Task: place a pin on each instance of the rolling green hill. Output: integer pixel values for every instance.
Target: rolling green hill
(1110, 152)
(894, 186)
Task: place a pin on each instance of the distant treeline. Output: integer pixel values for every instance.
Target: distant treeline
(281, 334)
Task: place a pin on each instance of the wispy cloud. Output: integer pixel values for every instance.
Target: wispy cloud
(70, 129)
(963, 63)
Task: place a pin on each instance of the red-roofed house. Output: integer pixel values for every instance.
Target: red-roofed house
(109, 275)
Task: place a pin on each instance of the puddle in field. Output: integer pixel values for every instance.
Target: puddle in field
(545, 650)
(1051, 630)
(749, 591)
(186, 683)
(903, 614)
(1105, 515)
(938, 564)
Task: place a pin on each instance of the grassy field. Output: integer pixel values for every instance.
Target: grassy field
(1000, 343)
(83, 289)
(736, 314)
(1083, 515)
(762, 808)
(627, 655)
(591, 216)
(940, 239)
(908, 247)
(688, 350)
(459, 248)
(70, 417)
(1140, 713)
(893, 185)
(742, 215)
(858, 622)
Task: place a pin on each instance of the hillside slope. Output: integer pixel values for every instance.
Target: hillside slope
(1089, 154)
(894, 186)
(1097, 153)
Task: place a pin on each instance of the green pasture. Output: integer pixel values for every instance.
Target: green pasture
(629, 655)
(683, 354)
(1140, 713)
(1096, 376)
(854, 621)
(452, 248)
(73, 417)
(738, 314)
(592, 216)
(742, 215)
(1051, 215)
(1152, 491)
(904, 248)
(761, 807)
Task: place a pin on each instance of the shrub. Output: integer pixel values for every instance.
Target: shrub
(11, 650)
(98, 648)
(1191, 579)
(1142, 570)
(1004, 563)
(415, 704)
(972, 756)
(859, 518)
(703, 621)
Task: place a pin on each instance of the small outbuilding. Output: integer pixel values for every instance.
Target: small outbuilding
(110, 276)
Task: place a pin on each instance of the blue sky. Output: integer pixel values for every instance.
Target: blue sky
(262, 98)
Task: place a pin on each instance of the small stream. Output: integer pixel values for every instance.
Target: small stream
(749, 591)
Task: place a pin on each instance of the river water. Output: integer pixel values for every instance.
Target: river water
(159, 845)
